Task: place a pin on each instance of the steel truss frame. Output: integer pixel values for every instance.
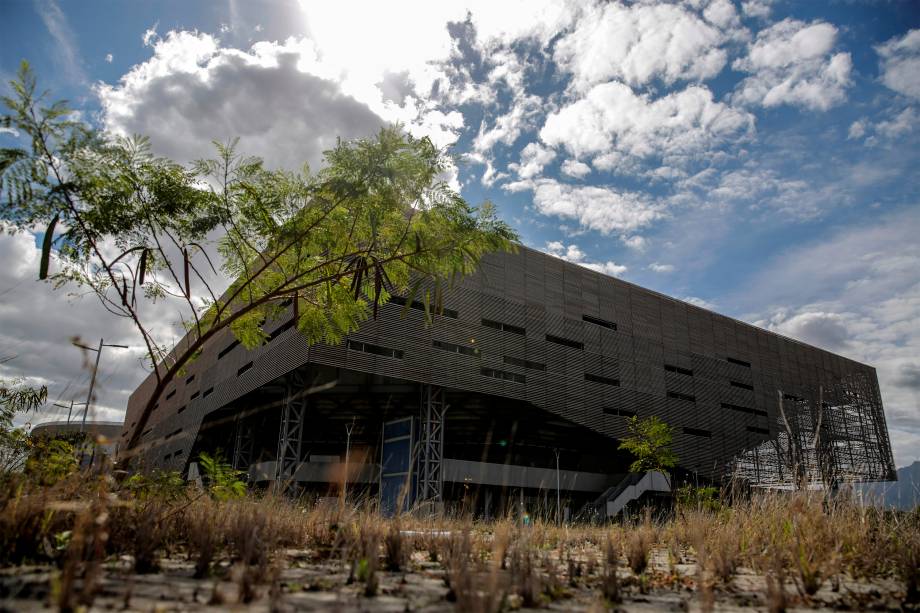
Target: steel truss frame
(243, 444)
(835, 435)
(430, 446)
(290, 432)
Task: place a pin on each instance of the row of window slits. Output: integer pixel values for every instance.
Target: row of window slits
(207, 392)
(528, 364)
(420, 306)
(620, 412)
(172, 434)
(597, 321)
(738, 362)
(190, 379)
(680, 396)
(498, 325)
(375, 349)
(744, 386)
(678, 370)
(757, 430)
(170, 394)
(600, 379)
(697, 432)
(243, 368)
(741, 409)
(454, 348)
(503, 374)
(564, 341)
(228, 349)
(178, 452)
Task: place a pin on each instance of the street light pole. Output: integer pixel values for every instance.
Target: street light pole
(558, 515)
(92, 381)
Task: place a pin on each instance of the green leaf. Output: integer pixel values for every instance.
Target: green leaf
(46, 248)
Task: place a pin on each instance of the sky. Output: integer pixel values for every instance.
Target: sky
(758, 158)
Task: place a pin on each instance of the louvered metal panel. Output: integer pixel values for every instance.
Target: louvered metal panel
(546, 296)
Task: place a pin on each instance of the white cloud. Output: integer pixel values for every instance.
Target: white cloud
(662, 268)
(533, 158)
(900, 63)
(594, 208)
(109, 57)
(150, 35)
(509, 126)
(857, 130)
(193, 91)
(575, 169)
(65, 45)
(635, 242)
(642, 42)
(613, 120)
(573, 253)
(791, 62)
(700, 302)
(757, 9)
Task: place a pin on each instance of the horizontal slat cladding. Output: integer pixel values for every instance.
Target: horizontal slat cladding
(545, 296)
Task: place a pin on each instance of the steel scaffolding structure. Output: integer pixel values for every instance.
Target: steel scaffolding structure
(834, 435)
(290, 434)
(430, 445)
(242, 443)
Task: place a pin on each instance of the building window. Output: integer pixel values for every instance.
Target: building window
(741, 409)
(243, 368)
(600, 379)
(597, 321)
(564, 341)
(792, 397)
(228, 349)
(454, 348)
(172, 434)
(179, 452)
(195, 395)
(620, 412)
(744, 386)
(281, 330)
(180, 409)
(208, 392)
(524, 363)
(170, 394)
(190, 379)
(375, 349)
(503, 374)
(489, 323)
(757, 430)
(420, 306)
(678, 370)
(680, 396)
(697, 432)
(738, 362)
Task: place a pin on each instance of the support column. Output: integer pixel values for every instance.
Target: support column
(431, 444)
(242, 444)
(290, 432)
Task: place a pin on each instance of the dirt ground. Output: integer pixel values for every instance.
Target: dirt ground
(297, 581)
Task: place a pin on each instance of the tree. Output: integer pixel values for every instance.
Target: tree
(16, 397)
(649, 441)
(332, 246)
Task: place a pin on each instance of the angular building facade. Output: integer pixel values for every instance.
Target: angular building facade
(521, 388)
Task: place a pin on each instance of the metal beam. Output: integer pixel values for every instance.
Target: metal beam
(431, 444)
(290, 432)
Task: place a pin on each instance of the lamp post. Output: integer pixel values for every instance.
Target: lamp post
(69, 408)
(92, 381)
(558, 515)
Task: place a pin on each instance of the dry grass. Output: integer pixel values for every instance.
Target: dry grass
(801, 545)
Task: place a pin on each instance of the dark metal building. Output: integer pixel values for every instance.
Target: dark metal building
(521, 386)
